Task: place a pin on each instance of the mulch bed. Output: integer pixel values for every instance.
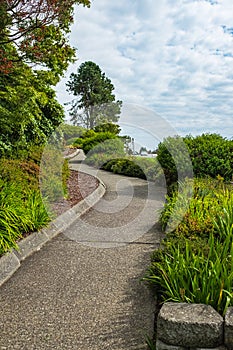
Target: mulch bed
(80, 185)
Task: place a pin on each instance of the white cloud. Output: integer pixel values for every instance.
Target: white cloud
(173, 57)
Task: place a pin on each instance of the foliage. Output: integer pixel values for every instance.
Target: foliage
(89, 143)
(150, 343)
(21, 211)
(38, 29)
(65, 177)
(108, 127)
(96, 100)
(29, 111)
(54, 172)
(88, 133)
(104, 151)
(71, 131)
(209, 198)
(211, 155)
(124, 166)
(189, 276)
(19, 171)
(195, 263)
(144, 168)
(174, 158)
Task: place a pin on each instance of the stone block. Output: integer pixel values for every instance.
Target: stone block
(190, 325)
(9, 263)
(31, 244)
(228, 328)
(162, 346)
(221, 347)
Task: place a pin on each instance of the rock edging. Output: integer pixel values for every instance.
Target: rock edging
(10, 262)
(184, 326)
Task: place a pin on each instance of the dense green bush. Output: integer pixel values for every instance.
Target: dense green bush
(91, 139)
(174, 158)
(124, 166)
(54, 173)
(90, 143)
(72, 141)
(144, 168)
(22, 210)
(211, 155)
(105, 151)
(17, 171)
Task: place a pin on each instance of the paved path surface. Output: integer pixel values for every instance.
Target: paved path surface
(82, 290)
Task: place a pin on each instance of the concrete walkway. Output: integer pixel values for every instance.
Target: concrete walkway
(82, 290)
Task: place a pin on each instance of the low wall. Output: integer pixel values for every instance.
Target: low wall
(183, 326)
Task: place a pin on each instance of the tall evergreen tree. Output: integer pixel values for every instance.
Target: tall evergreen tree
(96, 102)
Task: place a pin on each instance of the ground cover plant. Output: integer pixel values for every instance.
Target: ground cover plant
(22, 210)
(195, 261)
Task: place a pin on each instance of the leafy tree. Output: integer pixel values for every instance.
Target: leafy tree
(96, 100)
(29, 111)
(38, 30)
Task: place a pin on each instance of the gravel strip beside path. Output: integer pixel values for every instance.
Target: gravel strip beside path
(82, 290)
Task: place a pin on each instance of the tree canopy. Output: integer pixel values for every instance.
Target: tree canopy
(38, 31)
(96, 102)
(29, 111)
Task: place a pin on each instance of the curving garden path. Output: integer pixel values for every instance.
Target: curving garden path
(82, 290)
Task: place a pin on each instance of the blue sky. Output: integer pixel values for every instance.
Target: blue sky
(171, 58)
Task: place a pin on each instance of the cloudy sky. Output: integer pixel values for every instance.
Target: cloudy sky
(172, 60)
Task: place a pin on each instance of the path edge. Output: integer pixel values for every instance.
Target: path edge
(11, 261)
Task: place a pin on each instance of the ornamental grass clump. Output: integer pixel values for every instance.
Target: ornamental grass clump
(196, 262)
(193, 277)
(21, 212)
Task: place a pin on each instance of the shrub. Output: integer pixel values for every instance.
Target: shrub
(174, 158)
(124, 166)
(54, 172)
(72, 141)
(17, 171)
(209, 198)
(211, 155)
(105, 151)
(145, 168)
(90, 143)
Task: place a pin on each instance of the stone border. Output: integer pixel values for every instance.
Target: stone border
(10, 262)
(186, 326)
